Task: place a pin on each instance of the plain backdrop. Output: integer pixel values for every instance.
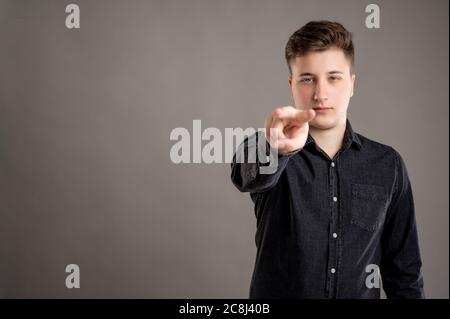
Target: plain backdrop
(86, 114)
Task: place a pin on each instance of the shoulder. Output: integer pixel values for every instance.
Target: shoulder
(386, 157)
(377, 148)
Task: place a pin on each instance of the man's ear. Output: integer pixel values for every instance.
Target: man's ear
(290, 81)
(353, 83)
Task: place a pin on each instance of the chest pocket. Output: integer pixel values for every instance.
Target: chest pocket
(369, 204)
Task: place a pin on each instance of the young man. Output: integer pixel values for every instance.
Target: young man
(339, 206)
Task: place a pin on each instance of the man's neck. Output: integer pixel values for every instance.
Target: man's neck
(329, 140)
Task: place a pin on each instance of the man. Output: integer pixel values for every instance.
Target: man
(339, 206)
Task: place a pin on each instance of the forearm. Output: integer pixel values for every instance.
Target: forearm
(254, 176)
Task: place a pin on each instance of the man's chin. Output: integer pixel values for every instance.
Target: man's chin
(323, 123)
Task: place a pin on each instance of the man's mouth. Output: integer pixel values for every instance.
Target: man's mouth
(321, 109)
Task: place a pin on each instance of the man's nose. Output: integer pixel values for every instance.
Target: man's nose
(320, 93)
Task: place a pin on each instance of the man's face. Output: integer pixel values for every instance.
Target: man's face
(323, 80)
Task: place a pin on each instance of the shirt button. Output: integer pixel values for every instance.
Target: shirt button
(333, 270)
(334, 199)
(332, 164)
(334, 235)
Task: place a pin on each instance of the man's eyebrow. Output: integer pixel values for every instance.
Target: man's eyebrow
(329, 72)
(335, 72)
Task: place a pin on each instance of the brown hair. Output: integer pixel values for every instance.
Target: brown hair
(319, 36)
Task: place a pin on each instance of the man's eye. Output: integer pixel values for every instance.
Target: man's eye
(306, 80)
(334, 78)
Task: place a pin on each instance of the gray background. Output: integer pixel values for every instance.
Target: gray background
(85, 118)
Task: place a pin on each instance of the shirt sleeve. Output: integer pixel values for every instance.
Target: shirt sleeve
(401, 262)
(246, 175)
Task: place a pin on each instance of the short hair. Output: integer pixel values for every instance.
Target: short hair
(319, 36)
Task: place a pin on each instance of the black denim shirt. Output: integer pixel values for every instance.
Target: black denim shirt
(324, 225)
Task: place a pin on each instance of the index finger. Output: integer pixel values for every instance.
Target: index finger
(291, 114)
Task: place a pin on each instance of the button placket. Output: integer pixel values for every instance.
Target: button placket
(333, 259)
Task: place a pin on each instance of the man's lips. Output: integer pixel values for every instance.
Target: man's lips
(321, 108)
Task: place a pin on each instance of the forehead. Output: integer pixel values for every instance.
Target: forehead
(322, 61)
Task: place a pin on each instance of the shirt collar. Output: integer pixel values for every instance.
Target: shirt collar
(350, 138)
